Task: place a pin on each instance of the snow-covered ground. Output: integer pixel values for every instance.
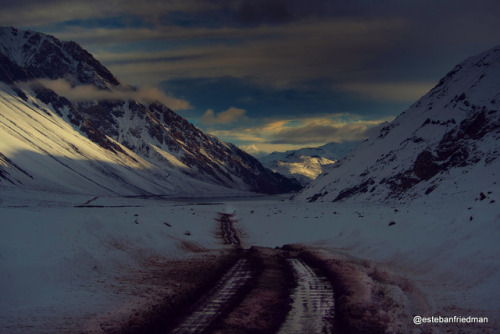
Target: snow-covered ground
(60, 265)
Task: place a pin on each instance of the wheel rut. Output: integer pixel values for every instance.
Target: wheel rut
(214, 304)
(228, 232)
(313, 302)
(265, 291)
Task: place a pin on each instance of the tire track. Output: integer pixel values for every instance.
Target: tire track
(313, 304)
(213, 305)
(228, 231)
(222, 311)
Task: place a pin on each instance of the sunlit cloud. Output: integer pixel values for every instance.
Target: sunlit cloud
(88, 92)
(295, 133)
(225, 117)
(238, 135)
(287, 59)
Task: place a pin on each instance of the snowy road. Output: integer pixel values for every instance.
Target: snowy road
(229, 234)
(313, 303)
(312, 299)
(217, 301)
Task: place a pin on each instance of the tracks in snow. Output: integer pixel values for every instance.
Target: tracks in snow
(229, 234)
(313, 303)
(218, 300)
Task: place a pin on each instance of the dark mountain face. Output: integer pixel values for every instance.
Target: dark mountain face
(446, 143)
(44, 56)
(147, 128)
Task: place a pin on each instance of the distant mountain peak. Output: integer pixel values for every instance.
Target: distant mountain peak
(307, 163)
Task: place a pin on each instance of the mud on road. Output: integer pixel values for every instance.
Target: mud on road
(220, 298)
(313, 302)
(228, 232)
(223, 292)
(272, 291)
(236, 291)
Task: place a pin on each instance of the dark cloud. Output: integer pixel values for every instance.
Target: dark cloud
(288, 59)
(255, 12)
(311, 99)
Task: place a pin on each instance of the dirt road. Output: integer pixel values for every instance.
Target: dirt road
(266, 291)
(313, 303)
(229, 233)
(232, 290)
(218, 300)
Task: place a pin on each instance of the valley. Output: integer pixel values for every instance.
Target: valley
(118, 215)
(141, 258)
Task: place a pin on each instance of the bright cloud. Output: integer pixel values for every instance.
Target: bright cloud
(317, 131)
(296, 133)
(89, 92)
(225, 117)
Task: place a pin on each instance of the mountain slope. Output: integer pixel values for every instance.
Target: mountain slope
(445, 144)
(112, 122)
(307, 163)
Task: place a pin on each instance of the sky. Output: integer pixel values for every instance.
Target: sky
(274, 75)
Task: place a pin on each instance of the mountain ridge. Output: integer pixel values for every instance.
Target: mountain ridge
(145, 130)
(444, 144)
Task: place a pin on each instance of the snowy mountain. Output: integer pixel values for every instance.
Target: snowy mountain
(446, 144)
(69, 125)
(307, 163)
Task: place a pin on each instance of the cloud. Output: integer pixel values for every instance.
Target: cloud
(89, 93)
(277, 42)
(261, 150)
(264, 54)
(389, 91)
(292, 134)
(320, 131)
(33, 12)
(225, 117)
(264, 11)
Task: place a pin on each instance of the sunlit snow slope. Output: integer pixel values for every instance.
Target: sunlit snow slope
(307, 163)
(67, 124)
(447, 143)
(40, 150)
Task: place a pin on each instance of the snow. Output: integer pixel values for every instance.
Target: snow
(59, 262)
(57, 157)
(389, 156)
(303, 168)
(307, 163)
(331, 151)
(72, 94)
(312, 307)
(74, 227)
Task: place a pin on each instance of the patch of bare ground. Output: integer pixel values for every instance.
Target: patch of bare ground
(267, 301)
(369, 298)
(162, 292)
